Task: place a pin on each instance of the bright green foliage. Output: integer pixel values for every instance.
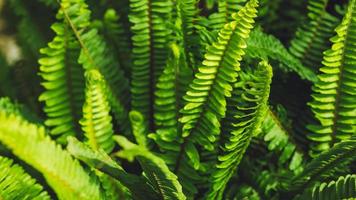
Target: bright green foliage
(96, 121)
(64, 82)
(246, 110)
(29, 142)
(139, 128)
(312, 39)
(16, 184)
(174, 99)
(206, 96)
(334, 98)
(342, 188)
(95, 54)
(150, 37)
(225, 10)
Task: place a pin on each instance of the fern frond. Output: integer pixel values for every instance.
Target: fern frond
(246, 109)
(30, 143)
(103, 162)
(280, 142)
(150, 37)
(116, 35)
(139, 128)
(188, 13)
(164, 182)
(63, 81)
(334, 95)
(96, 122)
(312, 38)
(225, 9)
(263, 46)
(342, 188)
(170, 88)
(206, 96)
(95, 54)
(15, 183)
(325, 164)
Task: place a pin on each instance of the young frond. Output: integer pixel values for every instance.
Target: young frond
(97, 122)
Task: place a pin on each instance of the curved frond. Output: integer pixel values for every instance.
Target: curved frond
(206, 96)
(342, 188)
(246, 109)
(30, 143)
(96, 122)
(63, 80)
(334, 97)
(263, 46)
(95, 54)
(16, 184)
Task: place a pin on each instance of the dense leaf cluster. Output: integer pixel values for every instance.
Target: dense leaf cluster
(179, 99)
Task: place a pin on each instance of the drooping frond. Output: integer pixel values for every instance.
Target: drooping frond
(97, 122)
(30, 143)
(261, 45)
(246, 110)
(103, 162)
(278, 140)
(163, 181)
(150, 37)
(206, 96)
(15, 183)
(95, 54)
(312, 38)
(334, 97)
(63, 80)
(325, 165)
(342, 188)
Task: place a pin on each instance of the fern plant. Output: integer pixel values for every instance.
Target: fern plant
(179, 99)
